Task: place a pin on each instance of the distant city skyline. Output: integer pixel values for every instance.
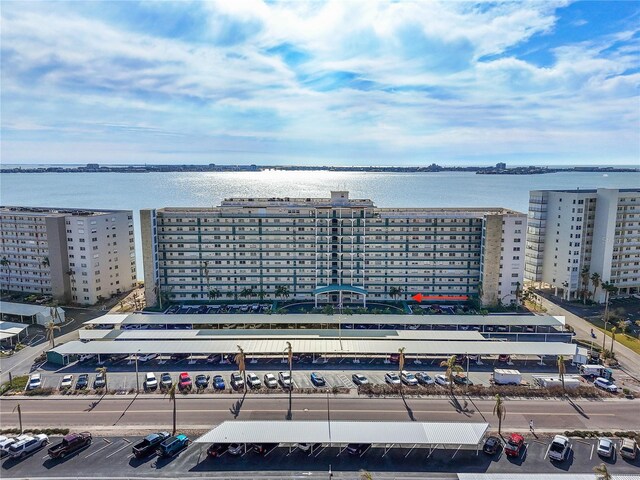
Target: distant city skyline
(320, 83)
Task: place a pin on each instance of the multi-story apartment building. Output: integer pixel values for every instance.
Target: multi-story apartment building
(333, 249)
(77, 256)
(570, 230)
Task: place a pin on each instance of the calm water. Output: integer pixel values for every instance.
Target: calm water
(155, 190)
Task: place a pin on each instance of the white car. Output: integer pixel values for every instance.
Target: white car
(392, 378)
(270, 380)
(441, 380)
(150, 381)
(605, 447)
(253, 381)
(146, 357)
(35, 381)
(6, 442)
(408, 378)
(605, 384)
(66, 382)
(559, 448)
(24, 447)
(285, 379)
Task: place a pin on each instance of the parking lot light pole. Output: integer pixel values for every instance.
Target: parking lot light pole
(137, 376)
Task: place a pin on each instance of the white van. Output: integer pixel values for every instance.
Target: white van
(150, 381)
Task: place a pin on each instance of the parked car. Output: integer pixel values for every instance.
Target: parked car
(214, 358)
(441, 380)
(359, 379)
(305, 447)
(462, 380)
(253, 381)
(179, 356)
(605, 447)
(514, 445)
(218, 382)
(172, 445)
(270, 380)
(317, 379)
(66, 382)
(492, 445)
(82, 382)
(28, 445)
(70, 443)
(605, 384)
(358, 448)
(166, 381)
(392, 378)
(217, 449)
(236, 449)
(100, 380)
(202, 381)
(424, 378)
(145, 357)
(6, 442)
(149, 444)
(408, 378)
(285, 380)
(35, 381)
(184, 381)
(263, 448)
(504, 358)
(150, 381)
(236, 381)
(559, 448)
(628, 449)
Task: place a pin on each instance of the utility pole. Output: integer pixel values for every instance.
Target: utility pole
(17, 407)
(137, 376)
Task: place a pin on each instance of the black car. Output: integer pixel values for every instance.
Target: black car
(263, 448)
(179, 356)
(461, 380)
(202, 381)
(217, 449)
(83, 381)
(358, 448)
(492, 445)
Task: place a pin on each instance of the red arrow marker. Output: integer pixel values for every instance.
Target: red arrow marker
(417, 297)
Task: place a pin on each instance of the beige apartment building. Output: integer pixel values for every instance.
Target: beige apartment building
(569, 230)
(331, 250)
(76, 256)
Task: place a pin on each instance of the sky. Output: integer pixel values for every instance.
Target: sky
(320, 82)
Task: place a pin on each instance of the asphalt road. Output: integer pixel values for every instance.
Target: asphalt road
(201, 412)
(110, 457)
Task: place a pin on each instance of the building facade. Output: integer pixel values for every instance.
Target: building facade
(335, 250)
(76, 256)
(596, 231)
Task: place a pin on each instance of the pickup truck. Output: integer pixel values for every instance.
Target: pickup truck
(69, 444)
(149, 444)
(559, 448)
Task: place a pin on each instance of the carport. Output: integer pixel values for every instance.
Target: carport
(413, 435)
(32, 313)
(9, 330)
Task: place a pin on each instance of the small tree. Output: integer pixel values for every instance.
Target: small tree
(602, 472)
(172, 398)
(595, 281)
(214, 293)
(499, 411)
(240, 361)
(613, 337)
(452, 368)
(364, 475)
(561, 370)
(50, 330)
(584, 279)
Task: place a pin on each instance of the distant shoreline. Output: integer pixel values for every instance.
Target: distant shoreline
(95, 168)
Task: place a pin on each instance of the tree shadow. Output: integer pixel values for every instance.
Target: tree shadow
(460, 408)
(289, 415)
(95, 403)
(125, 410)
(406, 405)
(578, 408)
(237, 407)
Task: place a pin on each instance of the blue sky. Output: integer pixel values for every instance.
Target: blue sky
(313, 82)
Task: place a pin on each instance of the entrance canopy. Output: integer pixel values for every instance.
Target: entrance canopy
(340, 288)
(343, 432)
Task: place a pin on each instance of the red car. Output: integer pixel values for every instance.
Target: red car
(514, 445)
(184, 382)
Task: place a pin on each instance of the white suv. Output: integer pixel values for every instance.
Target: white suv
(150, 381)
(408, 378)
(35, 381)
(605, 384)
(28, 445)
(285, 379)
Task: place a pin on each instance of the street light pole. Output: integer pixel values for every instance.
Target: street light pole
(606, 319)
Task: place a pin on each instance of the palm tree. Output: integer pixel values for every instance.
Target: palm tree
(499, 411)
(595, 281)
(103, 371)
(239, 359)
(364, 475)
(285, 291)
(608, 288)
(561, 370)
(602, 472)
(215, 293)
(290, 358)
(518, 292)
(401, 362)
(206, 273)
(613, 338)
(395, 292)
(584, 279)
(262, 294)
(5, 263)
(452, 369)
(172, 398)
(50, 330)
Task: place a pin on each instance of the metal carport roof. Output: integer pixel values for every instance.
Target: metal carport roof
(306, 319)
(346, 347)
(344, 432)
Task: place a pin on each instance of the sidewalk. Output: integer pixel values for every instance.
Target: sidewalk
(628, 359)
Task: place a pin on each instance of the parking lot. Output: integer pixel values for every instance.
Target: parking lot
(111, 457)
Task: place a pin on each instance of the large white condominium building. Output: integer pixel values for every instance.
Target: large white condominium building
(570, 230)
(77, 256)
(333, 250)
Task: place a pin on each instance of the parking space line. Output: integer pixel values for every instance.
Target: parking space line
(591, 456)
(108, 444)
(547, 452)
(121, 448)
(454, 454)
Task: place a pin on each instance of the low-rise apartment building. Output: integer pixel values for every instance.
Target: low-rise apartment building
(571, 231)
(336, 250)
(76, 256)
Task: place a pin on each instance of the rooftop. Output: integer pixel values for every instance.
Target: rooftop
(56, 212)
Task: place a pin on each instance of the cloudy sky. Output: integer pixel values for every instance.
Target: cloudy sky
(311, 82)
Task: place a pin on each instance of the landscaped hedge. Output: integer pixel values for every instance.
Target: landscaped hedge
(35, 431)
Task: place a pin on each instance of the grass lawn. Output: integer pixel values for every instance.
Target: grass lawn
(630, 342)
